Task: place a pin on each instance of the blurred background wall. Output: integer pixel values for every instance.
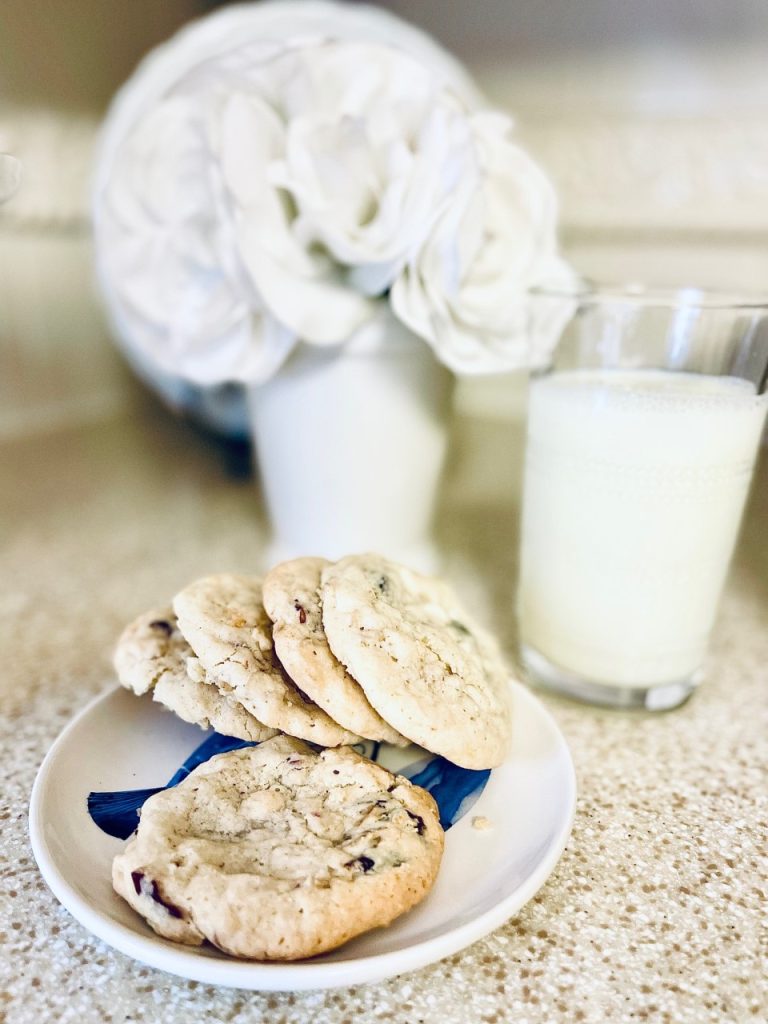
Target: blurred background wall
(652, 118)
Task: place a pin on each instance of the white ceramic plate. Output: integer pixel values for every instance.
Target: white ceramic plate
(121, 742)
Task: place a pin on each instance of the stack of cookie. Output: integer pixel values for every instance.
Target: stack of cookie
(280, 851)
(326, 652)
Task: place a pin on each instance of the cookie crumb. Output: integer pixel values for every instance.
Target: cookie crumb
(481, 824)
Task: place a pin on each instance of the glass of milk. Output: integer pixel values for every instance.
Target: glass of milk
(642, 438)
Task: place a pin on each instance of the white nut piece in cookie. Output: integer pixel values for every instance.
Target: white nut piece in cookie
(277, 852)
(153, 655)
(433, 674)
(292, 601)
(224, 619)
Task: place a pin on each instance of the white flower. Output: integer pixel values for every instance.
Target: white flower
(259, 182)
(171, 267)
(279, 171)
(335, 180)
(467, 289)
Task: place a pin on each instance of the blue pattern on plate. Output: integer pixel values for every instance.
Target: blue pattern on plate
(451, 786)
(454, 789)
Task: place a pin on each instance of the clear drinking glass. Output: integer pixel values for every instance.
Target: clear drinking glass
(642, 438)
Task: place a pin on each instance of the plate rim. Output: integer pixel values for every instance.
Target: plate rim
(295, 975)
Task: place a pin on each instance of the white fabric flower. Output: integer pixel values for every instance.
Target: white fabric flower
(171, 267)
(279, 171)
(335, 180)
(261, 179)
(467, 289)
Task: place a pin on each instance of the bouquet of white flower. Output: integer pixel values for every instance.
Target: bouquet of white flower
(278, 171)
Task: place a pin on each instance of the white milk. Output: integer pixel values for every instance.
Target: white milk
(635, 483)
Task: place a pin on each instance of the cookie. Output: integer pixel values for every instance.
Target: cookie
(424, 665)
(149, 647)
(277, 852)
(224, 619)
(203, 705)
(292, 600)
(153, 655)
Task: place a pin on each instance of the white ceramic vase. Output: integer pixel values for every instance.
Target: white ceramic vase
(350, 443)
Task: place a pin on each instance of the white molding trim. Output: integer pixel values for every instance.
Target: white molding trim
(659, 174)
(671, 139)
(56, 152)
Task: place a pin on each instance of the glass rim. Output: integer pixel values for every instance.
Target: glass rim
(588, 291)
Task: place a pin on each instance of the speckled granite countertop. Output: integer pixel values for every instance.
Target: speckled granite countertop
(657, 910)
